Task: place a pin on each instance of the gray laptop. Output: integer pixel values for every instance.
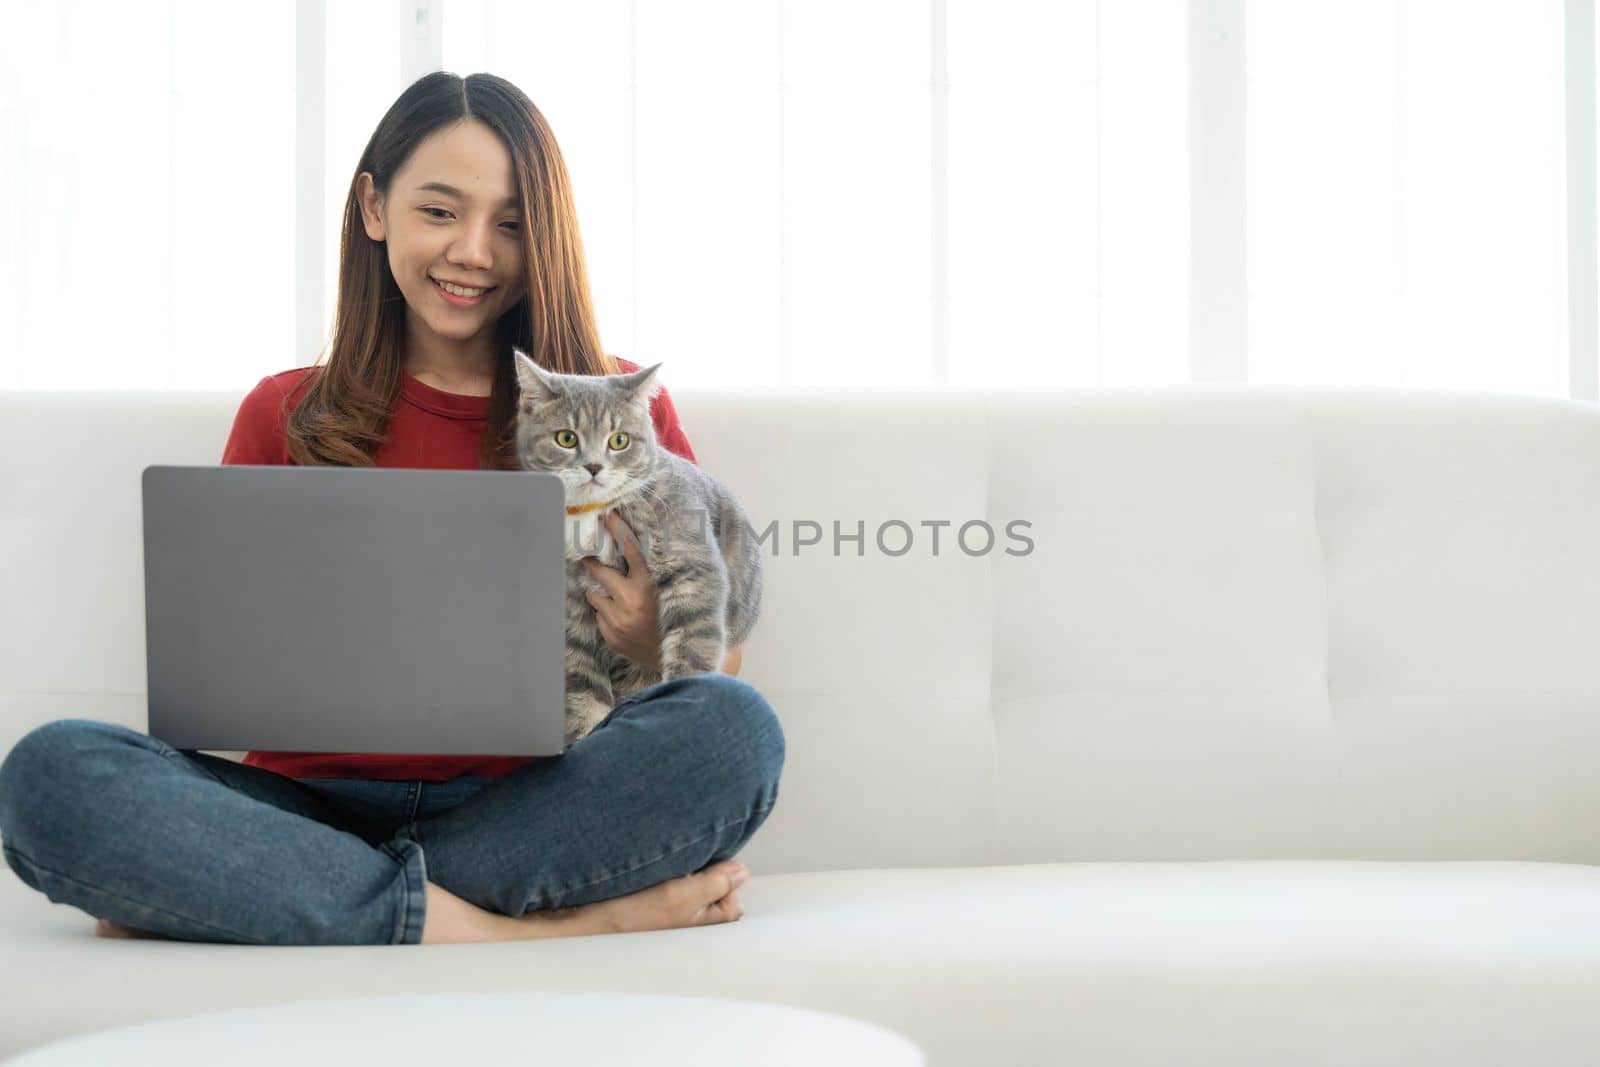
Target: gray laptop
(355, 609)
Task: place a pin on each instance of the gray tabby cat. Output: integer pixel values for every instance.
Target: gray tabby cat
(595, 432)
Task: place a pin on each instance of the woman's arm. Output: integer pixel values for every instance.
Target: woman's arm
(730, 663)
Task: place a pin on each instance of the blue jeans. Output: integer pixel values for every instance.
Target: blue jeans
(199, 848)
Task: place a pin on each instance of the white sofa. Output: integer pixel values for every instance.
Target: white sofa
(1279, 746)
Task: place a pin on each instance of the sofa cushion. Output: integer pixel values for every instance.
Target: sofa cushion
(1245, 963)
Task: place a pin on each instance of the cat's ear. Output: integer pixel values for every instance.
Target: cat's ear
(641, 385)
(532, 379)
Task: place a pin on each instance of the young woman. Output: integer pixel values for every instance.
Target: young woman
(460, 239)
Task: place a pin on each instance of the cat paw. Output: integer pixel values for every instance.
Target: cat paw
(583, 716)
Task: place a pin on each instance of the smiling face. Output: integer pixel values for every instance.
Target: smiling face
(471, 236)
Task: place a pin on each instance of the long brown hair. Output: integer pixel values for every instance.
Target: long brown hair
(344, 414)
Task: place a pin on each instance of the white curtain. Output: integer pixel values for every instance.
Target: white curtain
(873, 192)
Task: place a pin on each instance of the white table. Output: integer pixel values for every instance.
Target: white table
(594, 1029)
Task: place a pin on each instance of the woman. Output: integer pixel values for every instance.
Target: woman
(459, 241)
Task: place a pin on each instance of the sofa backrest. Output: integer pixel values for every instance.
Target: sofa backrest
(1215, 622)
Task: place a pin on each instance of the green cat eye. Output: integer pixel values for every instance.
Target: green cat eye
(619, 441)
(566, 438)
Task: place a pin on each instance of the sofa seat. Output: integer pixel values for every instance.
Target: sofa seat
(1257, 963)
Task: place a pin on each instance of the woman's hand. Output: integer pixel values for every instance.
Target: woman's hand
(626, 609)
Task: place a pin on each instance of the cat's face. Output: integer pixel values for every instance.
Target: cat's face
(592, 430)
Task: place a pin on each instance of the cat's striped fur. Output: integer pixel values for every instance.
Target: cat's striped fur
(701, 552)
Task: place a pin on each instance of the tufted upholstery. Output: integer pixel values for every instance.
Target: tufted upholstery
(1291, 686)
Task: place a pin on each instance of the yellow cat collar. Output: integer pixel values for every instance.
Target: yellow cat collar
(582, 508)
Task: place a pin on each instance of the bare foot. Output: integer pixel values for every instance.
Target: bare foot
(107, 928)
(704, 898)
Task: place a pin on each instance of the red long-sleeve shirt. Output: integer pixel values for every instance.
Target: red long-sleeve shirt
(429, 428)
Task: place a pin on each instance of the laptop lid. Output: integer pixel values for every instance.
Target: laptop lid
(355, 609)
